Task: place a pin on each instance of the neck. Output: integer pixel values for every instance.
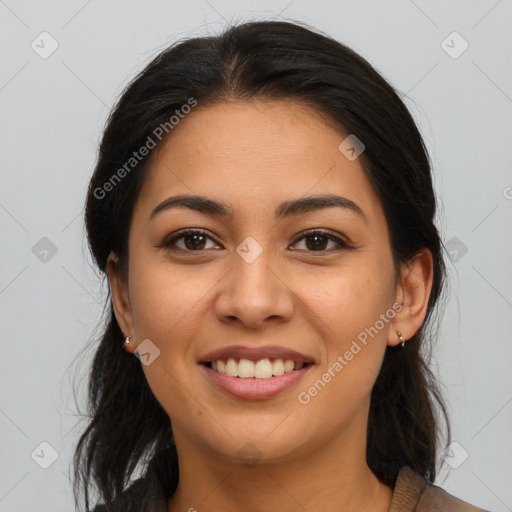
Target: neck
(332, 477)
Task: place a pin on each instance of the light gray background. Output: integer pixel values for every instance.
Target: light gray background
(53, 111)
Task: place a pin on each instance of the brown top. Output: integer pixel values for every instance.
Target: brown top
(412, 493)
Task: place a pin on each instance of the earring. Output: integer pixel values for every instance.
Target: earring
(401, 338)
(126, 342)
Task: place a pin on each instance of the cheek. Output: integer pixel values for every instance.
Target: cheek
(165, 301)
(350, 298)
(350, 308)
(166, 305)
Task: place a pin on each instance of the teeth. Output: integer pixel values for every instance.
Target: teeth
(261, 369)
(277, 367)
(245, 368)
(232, 368)
(289, 365)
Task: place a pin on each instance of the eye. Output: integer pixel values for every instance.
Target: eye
(318, 241)
(191, 240)
(196, 240)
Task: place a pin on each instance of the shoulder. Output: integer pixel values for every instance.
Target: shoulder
(413, 493)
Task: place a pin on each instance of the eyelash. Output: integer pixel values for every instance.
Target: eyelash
(169, 242)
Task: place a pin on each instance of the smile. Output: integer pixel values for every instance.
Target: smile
(255, 372)
(260, 369)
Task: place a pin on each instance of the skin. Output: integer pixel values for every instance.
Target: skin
(253, 156)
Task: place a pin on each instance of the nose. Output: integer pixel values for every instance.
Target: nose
(254, 294)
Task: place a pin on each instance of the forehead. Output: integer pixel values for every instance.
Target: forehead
(254, 155)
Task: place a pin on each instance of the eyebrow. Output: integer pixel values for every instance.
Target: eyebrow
(287, 209)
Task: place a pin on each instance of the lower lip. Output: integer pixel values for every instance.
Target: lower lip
(255, 389)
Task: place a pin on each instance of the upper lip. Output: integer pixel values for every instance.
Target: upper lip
(255, 354)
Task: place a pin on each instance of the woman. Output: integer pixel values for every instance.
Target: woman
(264, 211)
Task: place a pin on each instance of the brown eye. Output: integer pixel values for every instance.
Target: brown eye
(190, 241)
(318, 241)
(194, 241)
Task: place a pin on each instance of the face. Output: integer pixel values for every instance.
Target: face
(260, 275)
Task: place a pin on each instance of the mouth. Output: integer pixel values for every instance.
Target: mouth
(255, 373)
(264, 368)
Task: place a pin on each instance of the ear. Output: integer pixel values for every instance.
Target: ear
(413, 292)
(118, 282)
